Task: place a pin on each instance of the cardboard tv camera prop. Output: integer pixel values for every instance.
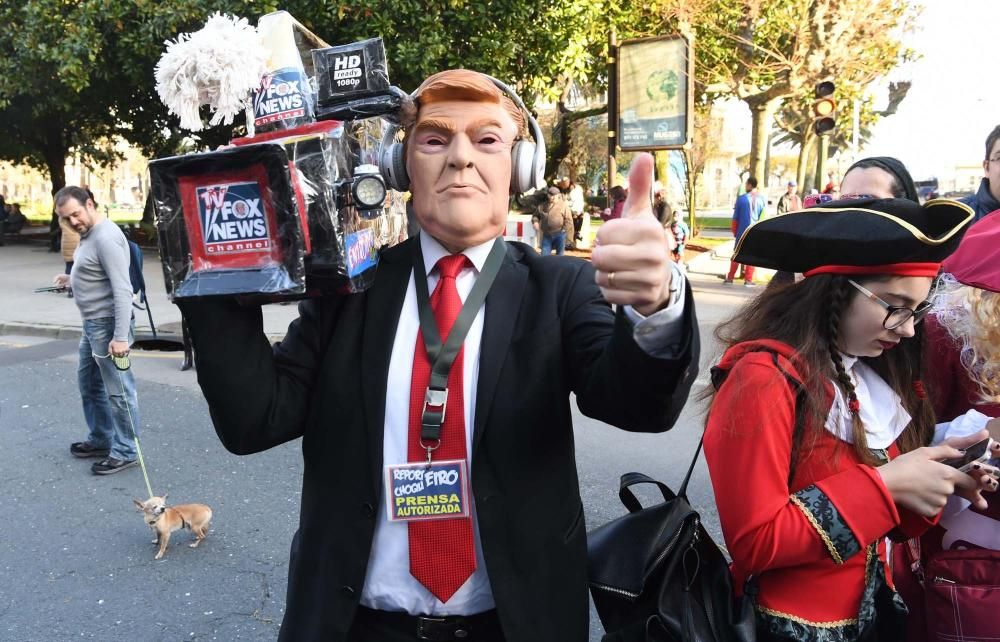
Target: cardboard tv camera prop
(301, 208)
(323, 207)
(228, 223)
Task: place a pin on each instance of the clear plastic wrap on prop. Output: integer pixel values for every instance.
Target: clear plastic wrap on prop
(229, 223)
(351, 214)
(286, 97)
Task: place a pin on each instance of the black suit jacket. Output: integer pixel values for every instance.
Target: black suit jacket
(547, 332)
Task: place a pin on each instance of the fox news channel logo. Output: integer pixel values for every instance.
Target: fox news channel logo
(283, 95)
(232, 218)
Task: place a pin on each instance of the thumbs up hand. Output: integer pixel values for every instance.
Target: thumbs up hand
(632, 253)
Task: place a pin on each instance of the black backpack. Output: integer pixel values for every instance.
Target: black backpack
(138, 281)
(656, 575)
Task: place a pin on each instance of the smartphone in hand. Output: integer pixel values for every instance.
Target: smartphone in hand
(974, 454)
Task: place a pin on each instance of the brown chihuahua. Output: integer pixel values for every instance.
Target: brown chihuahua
(164, 520)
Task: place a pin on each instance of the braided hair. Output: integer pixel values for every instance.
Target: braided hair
(840, 298)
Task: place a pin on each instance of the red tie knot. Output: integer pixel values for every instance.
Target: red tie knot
(449, 266)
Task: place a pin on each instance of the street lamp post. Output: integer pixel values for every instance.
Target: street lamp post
(824, 150)
(612, 110)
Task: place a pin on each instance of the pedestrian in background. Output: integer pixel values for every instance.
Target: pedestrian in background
(103, 293)
(746, 212)
(553, 220)
(789, 201)
(681, 232)
(661, 208)
(577, 203)
(15, 219)
(987, 197)
(618, 196)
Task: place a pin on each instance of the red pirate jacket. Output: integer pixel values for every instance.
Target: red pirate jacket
(813, 546)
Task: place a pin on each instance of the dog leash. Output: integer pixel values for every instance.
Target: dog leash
(121, 364)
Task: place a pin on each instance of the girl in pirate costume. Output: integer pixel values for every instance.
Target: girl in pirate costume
(816, 432)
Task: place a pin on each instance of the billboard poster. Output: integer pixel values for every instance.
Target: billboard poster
(654, 93)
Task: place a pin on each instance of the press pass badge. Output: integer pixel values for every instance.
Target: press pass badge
(424, 492)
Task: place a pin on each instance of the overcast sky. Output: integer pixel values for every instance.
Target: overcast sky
(954, 101)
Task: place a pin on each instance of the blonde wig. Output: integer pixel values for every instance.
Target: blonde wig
(971, 316)
(460, 84)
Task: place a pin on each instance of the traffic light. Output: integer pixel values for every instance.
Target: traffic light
(824, 108)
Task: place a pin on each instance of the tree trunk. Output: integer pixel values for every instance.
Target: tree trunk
(55, 161)
(663, 167)
(691, 195)
(767, 162)
(561, 142)
(762, 114)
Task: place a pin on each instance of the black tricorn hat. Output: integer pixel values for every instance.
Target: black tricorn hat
(864, 236)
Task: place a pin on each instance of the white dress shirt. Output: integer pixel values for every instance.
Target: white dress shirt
(388, 583)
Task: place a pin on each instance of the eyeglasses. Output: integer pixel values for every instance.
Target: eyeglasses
(812, 200)
(896, 315)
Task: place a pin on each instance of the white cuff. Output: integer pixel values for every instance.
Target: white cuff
(659, 334)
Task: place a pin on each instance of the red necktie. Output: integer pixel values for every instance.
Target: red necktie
(442, 553)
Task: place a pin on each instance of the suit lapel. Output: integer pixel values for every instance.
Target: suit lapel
(502, 309)
(384, 303)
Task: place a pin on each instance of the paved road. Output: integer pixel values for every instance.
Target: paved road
(76, 558)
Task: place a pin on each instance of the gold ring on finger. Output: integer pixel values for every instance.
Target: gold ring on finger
(611, 279)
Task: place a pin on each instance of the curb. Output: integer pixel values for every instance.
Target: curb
(40, 330)
(69, 332)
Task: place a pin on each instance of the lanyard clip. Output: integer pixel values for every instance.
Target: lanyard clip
(435, 402)
(431, 420)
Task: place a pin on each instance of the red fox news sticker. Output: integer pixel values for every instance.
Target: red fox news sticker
(419, 492)
(230, 219)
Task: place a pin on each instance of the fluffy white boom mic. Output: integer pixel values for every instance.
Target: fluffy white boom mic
(219, 66)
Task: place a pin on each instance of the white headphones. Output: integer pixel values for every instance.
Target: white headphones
(527, 158)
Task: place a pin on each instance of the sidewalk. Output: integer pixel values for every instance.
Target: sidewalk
(26, 266)
(715, 263)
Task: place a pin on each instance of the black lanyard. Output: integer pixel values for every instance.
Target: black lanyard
(441, 357)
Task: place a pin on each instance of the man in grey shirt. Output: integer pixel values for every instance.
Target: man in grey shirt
(103, 292)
